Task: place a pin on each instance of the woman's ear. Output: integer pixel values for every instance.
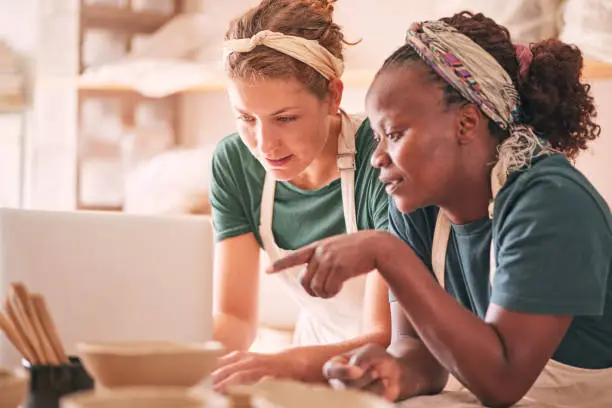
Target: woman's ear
(335, 90)
(469, 121)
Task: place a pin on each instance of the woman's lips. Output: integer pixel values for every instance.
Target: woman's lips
(392, 186)
(279, 162)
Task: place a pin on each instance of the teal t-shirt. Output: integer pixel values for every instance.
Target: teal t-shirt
(553, 243)
(300, 216)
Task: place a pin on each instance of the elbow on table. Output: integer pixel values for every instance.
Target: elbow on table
(380, 337)
(495, 402)
(234, 333)
(437, 382)
(502, 395)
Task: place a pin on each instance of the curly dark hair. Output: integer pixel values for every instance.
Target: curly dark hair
(555, 103)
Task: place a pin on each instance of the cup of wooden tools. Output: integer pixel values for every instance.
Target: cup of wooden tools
(27, 323)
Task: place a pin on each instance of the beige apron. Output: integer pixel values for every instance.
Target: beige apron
(322, 321)
(558, 386)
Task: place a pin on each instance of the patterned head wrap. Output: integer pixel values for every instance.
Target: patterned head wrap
(480, 79)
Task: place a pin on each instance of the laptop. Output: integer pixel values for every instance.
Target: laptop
(111, 276)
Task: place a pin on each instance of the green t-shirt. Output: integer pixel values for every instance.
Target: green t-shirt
(300, 216)
(553, 242)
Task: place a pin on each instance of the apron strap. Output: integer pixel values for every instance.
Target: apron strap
(265, 219)
(498, 179)
(443, 229)
(439, 246)
(346, 165)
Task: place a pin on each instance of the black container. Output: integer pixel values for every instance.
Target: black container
(50, 383)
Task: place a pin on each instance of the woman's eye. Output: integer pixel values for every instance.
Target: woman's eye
(377, 137)
(394, 136)
(286, 118)
(246, 118)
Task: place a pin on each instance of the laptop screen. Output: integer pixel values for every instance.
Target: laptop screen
(111, 276)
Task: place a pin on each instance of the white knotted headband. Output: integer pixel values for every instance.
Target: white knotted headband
(310, 52)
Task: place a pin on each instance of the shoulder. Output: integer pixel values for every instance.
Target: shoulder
(553, 188)
(365, 146)
(232, 156)
(230, 149)
(367, 183)
(551, 225)
(364, 139)
(235, 169)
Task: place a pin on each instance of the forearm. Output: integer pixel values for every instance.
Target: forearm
(235, 334)
(422, 373)
(313, 358)
(464, 344)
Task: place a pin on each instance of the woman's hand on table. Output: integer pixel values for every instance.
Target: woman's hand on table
(240, 367)
(332, 261)
(369, 369)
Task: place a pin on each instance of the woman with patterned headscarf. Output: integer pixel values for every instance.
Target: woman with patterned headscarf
(499, 251)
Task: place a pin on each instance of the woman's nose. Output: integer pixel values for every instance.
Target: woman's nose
(380, 157)
(266, 140)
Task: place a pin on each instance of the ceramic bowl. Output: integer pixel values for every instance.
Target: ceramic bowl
(135, 397)
(13, 387)
(291, 394)
(148, 363)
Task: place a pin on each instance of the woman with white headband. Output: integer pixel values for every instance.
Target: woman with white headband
(298, 170)
(475, 136)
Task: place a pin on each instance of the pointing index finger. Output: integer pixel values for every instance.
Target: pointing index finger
(297, 257)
